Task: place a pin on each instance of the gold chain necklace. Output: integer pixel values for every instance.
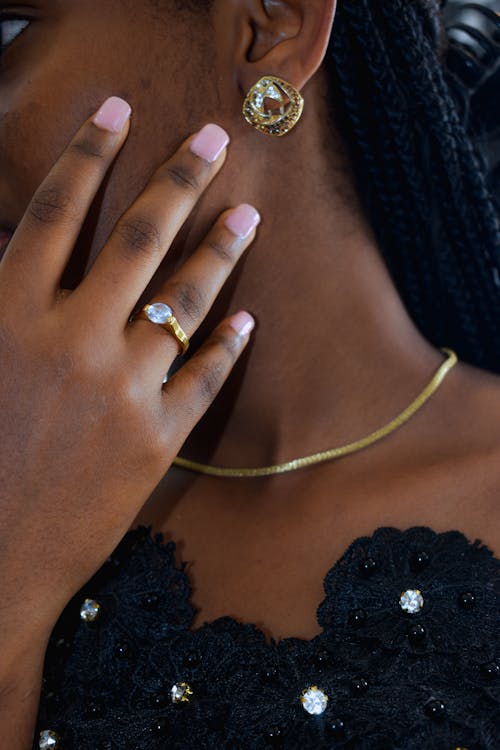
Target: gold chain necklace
(297, 463)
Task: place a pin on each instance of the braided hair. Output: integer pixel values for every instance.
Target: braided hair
(419, 176)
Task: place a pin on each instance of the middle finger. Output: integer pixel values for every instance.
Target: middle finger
(146, 230)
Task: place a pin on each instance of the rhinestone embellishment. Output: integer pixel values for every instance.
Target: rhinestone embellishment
(411, 601)
(158, 312)
(180, 692)
(90, 610)
(48, 740)
(314, 700)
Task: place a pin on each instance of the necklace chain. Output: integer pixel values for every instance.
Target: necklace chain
(297, 463)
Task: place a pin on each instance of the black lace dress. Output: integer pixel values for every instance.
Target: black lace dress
(408, 657)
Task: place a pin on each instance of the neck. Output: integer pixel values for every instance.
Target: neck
(334, 354)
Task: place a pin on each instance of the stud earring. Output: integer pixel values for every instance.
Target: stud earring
(273, 106)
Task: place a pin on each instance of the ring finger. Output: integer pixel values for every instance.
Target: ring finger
(191, 290)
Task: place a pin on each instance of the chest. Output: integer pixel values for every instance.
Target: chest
(263, 560)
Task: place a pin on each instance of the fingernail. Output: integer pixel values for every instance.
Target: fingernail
(209, 142)
(243, 220)
(242, 323)
(113, 114)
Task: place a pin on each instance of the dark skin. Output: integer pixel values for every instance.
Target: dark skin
(334, 356)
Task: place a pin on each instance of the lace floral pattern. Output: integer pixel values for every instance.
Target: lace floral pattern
(427, 676)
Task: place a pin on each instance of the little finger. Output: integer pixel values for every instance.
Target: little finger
(188, 394)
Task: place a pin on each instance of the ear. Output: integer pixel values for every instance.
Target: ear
(285, 38)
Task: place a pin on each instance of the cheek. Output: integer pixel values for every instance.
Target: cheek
(41, 111)
(37, 121)
(39, 114)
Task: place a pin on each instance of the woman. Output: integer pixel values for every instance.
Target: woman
(375, 267)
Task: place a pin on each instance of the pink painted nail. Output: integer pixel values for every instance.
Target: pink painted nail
(242, 323)
(113, 114)
(209, 142)
(243, 220)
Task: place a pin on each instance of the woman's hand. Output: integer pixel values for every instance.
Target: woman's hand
(87, 427)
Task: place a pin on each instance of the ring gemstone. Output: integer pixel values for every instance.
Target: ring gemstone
(158, 312)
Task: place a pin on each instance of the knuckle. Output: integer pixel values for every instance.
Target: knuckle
(88, 147)
(182, 176)
(221, 250)
(188, 299)
(50, 204)
(139, 235)
(230, 345)
(210, 380)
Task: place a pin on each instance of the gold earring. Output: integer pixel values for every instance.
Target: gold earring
(284, 110)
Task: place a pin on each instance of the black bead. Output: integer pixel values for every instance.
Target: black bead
(490, 671)
(122, 650)
(336, 728)
(269, 673)
(467, 600)
(191, 659)
(51, 702)
(359, 685)
(274, 736)
(416, 633)
(357, 617)
(160, 700)
(160, 726)
(435, 708)
(113, 562)
(367, 566)
(94, 710)
(323, 658)
(61, 647)
(150, 601)
(419, 560)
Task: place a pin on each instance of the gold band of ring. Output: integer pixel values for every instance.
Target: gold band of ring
(153, 311)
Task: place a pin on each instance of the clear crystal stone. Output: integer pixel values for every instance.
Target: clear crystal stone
(273, 93)
(314, 700)
(180, 691)
(48, 740)
(158, 312)
(90, 609)
(259, 99)
(411, 600)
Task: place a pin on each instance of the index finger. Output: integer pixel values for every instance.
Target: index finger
(45, 236)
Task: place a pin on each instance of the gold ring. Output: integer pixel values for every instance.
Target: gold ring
(162, 315)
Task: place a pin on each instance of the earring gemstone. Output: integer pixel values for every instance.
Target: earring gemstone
(273, 106)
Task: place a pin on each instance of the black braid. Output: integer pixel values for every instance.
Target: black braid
(420, 179)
